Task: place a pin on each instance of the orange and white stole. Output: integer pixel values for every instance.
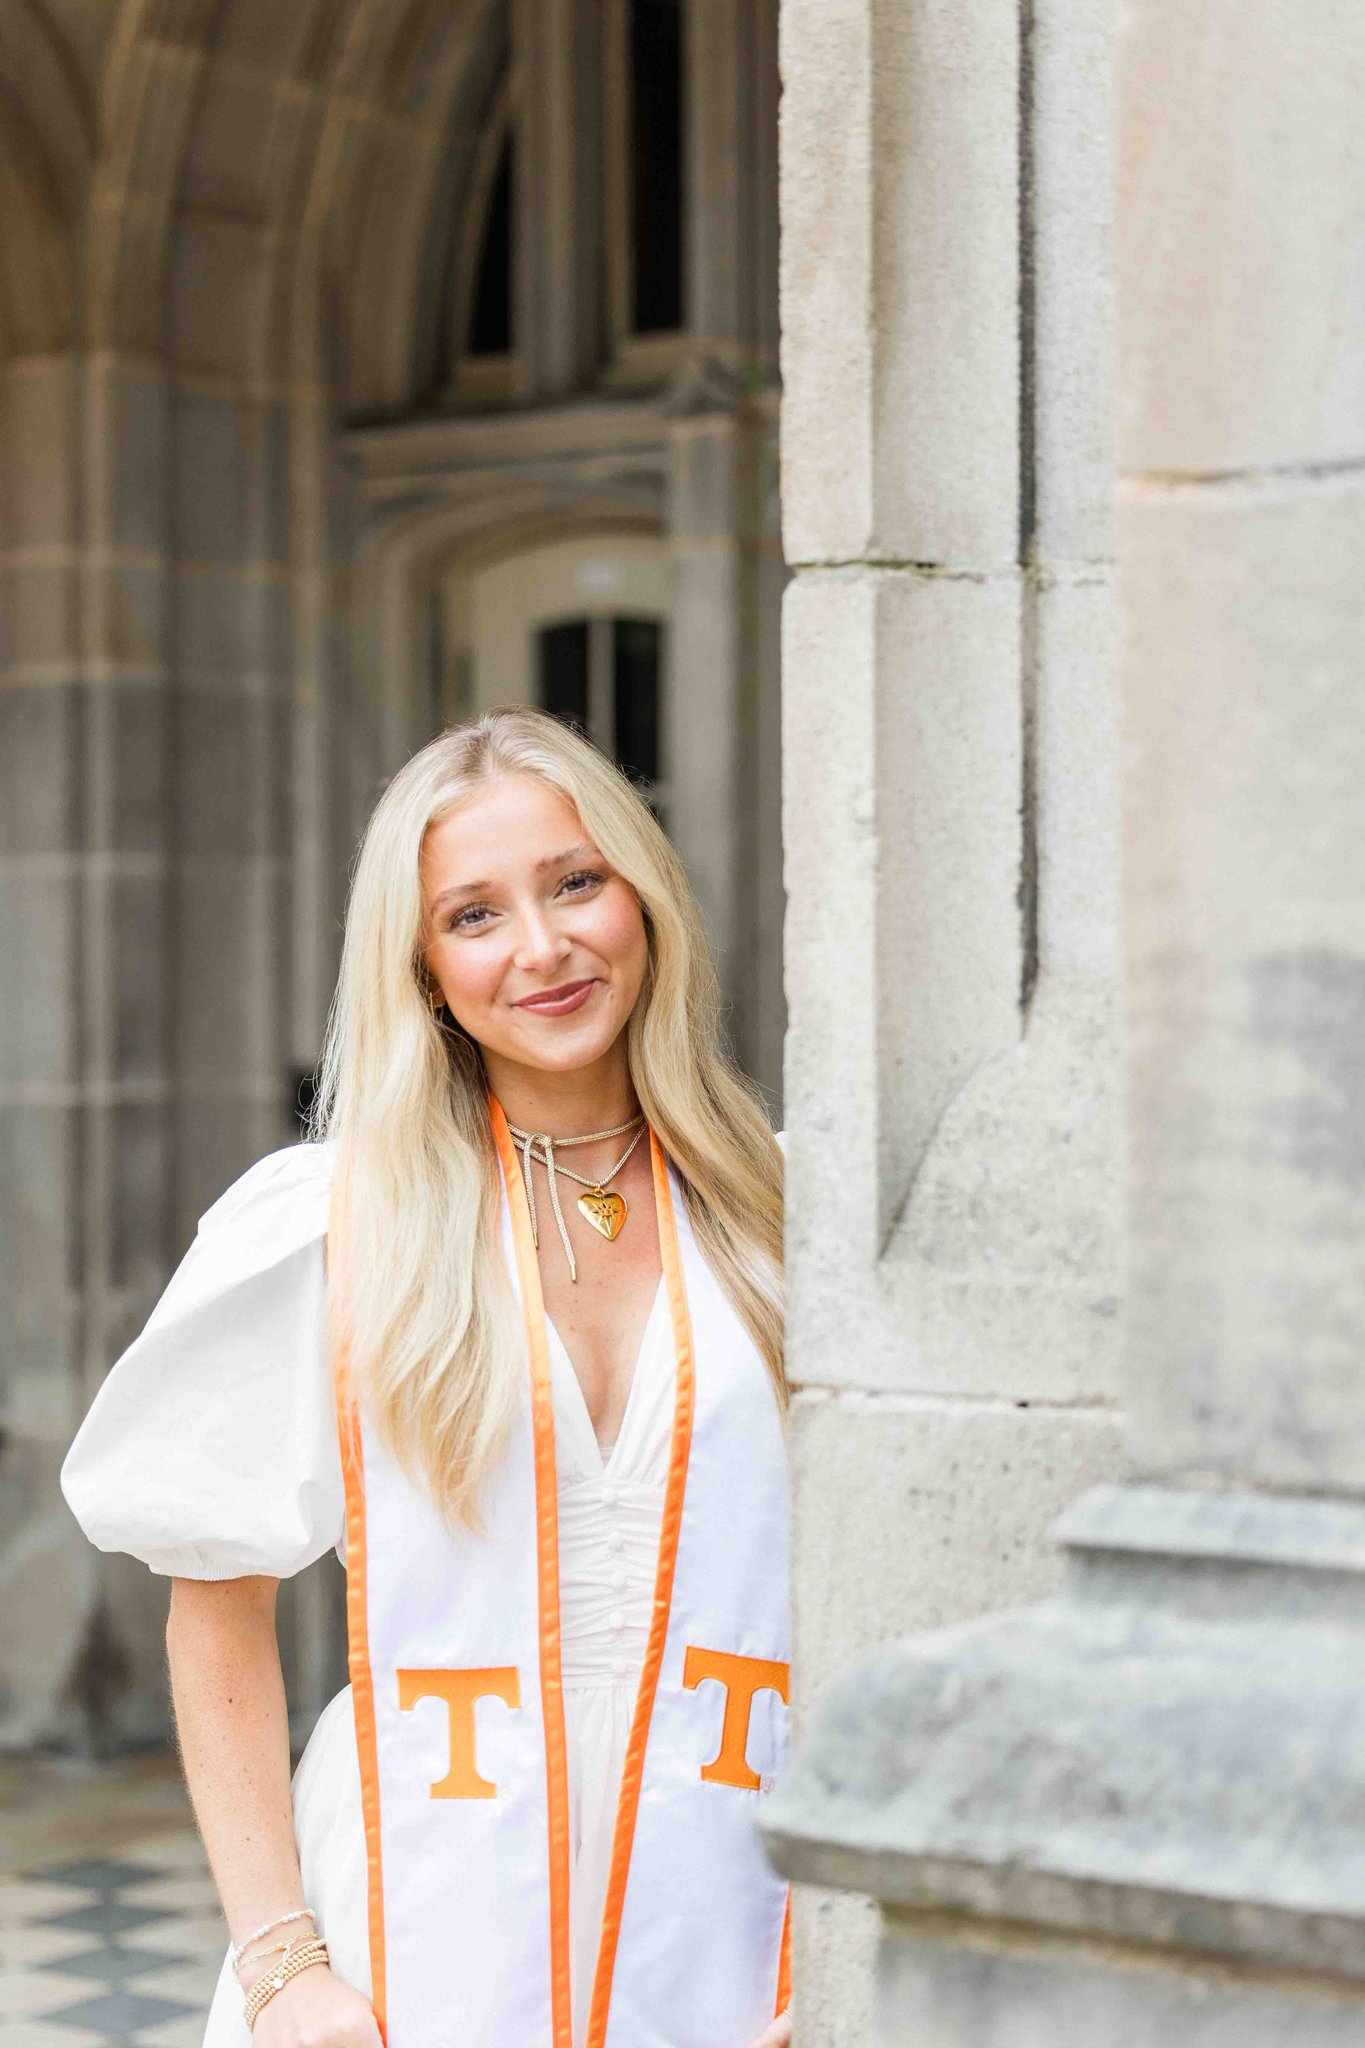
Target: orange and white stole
(455, 1674)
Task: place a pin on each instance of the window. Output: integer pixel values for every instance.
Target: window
(490, 320)
(656, 141)
(645, 137)
(603, 675)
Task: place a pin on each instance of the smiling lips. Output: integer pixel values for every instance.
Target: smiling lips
(558, 1002)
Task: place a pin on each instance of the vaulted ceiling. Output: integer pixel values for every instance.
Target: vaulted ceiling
(245, 189)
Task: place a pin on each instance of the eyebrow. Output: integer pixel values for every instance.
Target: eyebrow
(551, 860)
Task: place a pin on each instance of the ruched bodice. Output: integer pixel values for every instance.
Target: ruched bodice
(609, 1521)
(610, 1512)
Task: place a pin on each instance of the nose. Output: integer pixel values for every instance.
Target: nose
(540, 946)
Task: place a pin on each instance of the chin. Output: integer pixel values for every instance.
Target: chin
(564, 1054)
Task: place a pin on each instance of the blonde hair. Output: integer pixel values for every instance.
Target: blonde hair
(436, 1348)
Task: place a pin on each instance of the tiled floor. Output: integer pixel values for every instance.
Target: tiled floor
(121, 1945)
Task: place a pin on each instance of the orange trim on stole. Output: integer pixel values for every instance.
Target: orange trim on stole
(357, 1604)
(632, 1771)
(784, 1960)
(547, 1575)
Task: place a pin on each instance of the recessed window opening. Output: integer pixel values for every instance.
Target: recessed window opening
(656, 166)
(490, 320)
(604, 675)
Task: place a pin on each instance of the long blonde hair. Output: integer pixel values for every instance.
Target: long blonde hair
(436, 1349)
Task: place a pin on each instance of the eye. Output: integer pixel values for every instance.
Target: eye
(588, 877)
(466, 920)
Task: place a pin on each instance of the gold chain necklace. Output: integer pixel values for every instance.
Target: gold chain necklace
(601, 1206)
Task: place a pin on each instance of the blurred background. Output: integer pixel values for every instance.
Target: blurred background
(366, 363)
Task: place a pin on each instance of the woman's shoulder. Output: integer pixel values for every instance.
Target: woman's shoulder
(271, 1220)
(286, 1191)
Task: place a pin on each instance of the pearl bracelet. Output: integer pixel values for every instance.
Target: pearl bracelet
(264, 1989)
(281, 1920)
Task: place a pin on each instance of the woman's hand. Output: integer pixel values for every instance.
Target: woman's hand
(779, 2034)
(317, 2010)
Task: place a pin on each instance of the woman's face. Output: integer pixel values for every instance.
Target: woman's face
(536, 943)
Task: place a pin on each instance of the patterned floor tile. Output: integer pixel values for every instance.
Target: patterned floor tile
(180, 1851)
(29, 1947)
(193, 1982)
(107, 1916)
(185, 1894)
(111, 1963)
(202, 1936)
(175, 2034)
(22, 1901)
(38, 2034)
(36, 1994)
(118, 2012)
(96, 1876)
(117, 1941)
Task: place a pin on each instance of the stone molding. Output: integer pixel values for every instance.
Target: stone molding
(1170, 1751)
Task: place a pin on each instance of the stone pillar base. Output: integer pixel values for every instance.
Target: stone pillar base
(1168, 1755)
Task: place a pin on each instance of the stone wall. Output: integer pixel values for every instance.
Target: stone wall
(950, 828)
(1126, 1812)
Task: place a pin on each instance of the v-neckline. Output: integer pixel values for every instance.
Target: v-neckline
(606, 1461)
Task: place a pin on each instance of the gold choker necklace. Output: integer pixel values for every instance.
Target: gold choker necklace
(601, 1206)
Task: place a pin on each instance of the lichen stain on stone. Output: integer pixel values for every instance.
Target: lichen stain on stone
(1313, 1004)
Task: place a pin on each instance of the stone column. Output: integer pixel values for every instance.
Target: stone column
(950, 831)
(1132, 1813)
(716, 450)
(557, 55)
(731, 214)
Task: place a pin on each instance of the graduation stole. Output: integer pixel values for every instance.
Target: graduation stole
(455, 1673)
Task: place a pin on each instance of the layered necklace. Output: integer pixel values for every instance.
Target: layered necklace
(601, 1206)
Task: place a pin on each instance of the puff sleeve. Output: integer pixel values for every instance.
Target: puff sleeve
(210, 1451)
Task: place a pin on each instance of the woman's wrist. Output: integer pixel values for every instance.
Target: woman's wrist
(254, 1967)
(309, 1955)
(271, 1944)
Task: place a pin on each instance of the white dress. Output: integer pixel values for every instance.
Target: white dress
(211, 1453)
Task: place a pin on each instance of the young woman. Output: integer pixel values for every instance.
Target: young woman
(509, 1338)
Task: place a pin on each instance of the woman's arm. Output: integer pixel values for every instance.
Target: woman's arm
(233, 1730)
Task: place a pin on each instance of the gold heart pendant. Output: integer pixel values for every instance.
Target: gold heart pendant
(605, 1212)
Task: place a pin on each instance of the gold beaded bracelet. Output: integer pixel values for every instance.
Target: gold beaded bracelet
(264, 1989)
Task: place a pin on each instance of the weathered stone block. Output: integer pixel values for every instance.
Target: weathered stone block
(140, 1252)
(1067, 110)
(1244, 618)
(900, 281)
(127, 617)
(1242, 185)
(40, 918)
(207, 481)
(214, 770)
(39, 769)
(215, 1008)
(937, 1990)
(126, 448)
(1071, 658)
(911, 1514)
(140, 969)
(42, 627)
(38, 415)
(902, 713)
(129, 721)
(1166, 1752)
(219, 272)
(217, 629)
